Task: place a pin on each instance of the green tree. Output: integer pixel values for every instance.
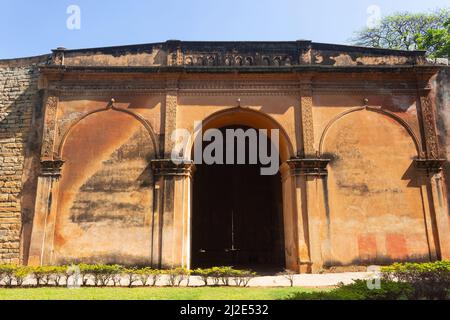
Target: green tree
(436, 41)
(403, 31)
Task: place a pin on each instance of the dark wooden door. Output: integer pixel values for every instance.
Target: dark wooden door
(237, 218)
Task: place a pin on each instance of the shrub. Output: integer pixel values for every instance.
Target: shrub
(7, 274)
(85, 273)
(216, 275)
(429, 280)
(223, 276)
(177, 276)
(58, 275)
(101, 275)
(288, 275)
(20, 275)
(75, 274)
(11, 275)
(332, 295)
(148, 276)
(132, 276)
(389, 290)
(243, 277)
(43, 275)
(203, 274)
(104, 274)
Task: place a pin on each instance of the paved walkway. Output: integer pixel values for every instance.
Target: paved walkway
(302, 280)
(311, 280)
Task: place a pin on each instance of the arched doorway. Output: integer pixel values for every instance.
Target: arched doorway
(237, 216)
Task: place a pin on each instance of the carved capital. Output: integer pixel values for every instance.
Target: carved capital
(430, 166)
(48, 138)
(308, 167)
(429, 123)
(51, 168)
(166, 167)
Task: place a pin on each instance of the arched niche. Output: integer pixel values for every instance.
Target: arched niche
(250, 118)
(105, 198)
(375, 212)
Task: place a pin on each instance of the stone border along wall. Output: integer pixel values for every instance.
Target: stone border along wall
(19, 105)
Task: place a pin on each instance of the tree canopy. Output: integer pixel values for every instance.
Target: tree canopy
(409, 31)
(436, 41)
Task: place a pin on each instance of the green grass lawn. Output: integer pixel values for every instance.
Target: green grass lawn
(206, 293)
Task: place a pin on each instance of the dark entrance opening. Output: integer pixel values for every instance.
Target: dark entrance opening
(237, 217)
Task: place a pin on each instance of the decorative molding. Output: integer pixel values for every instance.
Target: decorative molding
(237, 93)
(429, 123)
(238, 85)
(108, 89)
(236, 60)
(244, 88)
(170, 115)
(229, 87)
(110, 92)
(51, 168)
(308, 167)
(362, 87)
(307, 119)
(48, 137)
(166, 167)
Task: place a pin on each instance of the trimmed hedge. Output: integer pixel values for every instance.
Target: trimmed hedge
(401, 281)
(224, 275)
(390, 290)
(429, 280)
(107, 275)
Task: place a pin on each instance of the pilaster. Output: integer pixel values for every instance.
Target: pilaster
(41, 247)
(306, 176)
(174, 185)
(438, 228)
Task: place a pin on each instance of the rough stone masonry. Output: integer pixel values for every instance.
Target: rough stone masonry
(19, 100)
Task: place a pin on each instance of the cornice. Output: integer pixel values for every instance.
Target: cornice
(57, 69)
(232, 87)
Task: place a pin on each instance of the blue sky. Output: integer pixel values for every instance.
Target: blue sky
(30, 27)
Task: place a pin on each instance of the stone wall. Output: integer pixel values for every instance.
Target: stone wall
(18, 100)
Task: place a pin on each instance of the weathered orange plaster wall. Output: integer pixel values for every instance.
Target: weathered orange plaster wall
(105, 203)
(375, 211)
